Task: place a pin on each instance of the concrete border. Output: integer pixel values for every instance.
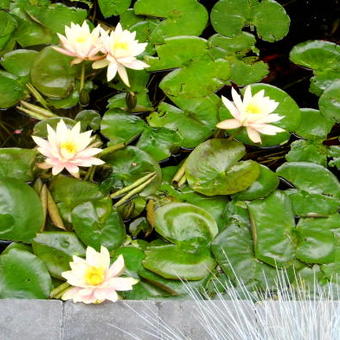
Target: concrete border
(56, 320)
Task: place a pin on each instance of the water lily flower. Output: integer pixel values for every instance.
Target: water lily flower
(67, 149)
(93, 280)
(254, 113)
(80, 42)
(121, 49)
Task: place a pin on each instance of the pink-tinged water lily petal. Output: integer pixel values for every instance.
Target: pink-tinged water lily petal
(135, 64)
(98, 259)
(77, 61)
(268, 129)
(122, 283)
(231, 107)
(71, 294)
(111, 71)
(87, 162)
(57, 169)
(123, 74)
(72, 169)
(64, 51)
(229, 124)
(247, 95)
(253, 135)
(106, 294)
(100, 63)
(271, 118)
(44, 165)
(117, 268)
(237, 99)
(89, 152)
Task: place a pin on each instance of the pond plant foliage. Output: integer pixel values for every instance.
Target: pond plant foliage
(151, 134)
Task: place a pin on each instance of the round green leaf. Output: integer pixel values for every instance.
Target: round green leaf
(56, 249)
(8, 23)
(19, 62)
(277, 26)
(96, 231)
(17, 163)
(113, 7)
(128, 166)
(185, 224)
(23, 276)
(317, 239)
(313, 125)
(52, 73)
(11, 90)
(160, 143)
(310, 177)
(272, 223)
(21, 213)
(189, 127)
(213, 168)
(265, 184)
(181, 17)
(329, 102)
(171, 262)
(228, 17)
(307, 151)
(121, 127)
(69, 192)
(318, 55)
(89, 119)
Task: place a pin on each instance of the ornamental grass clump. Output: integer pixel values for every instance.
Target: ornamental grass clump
(167, 136)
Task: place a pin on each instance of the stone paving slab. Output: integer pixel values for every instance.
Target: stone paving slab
(54, 320)
(30, 319)
(107, 321)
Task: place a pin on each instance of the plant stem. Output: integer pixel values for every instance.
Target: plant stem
(134, 191)
(90, 173)
(37, 95)
(82, 77)
(35, 111)
(179, 174)
(182, 181)
(112, 148)
(60, 289)
(133, 185)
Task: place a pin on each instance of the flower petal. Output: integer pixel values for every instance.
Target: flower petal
(237, 99)
(98, 259)
(122, 283)
(123, 74)
(117, 267)
(253, 135)
(229, 124)
(231, 107)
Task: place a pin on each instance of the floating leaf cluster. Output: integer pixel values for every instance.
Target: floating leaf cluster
(176, 197)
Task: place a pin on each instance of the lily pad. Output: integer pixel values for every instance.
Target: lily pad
(11, 90)
(265, 184)
(21, 211)
(113, 7)
(171, 262)
(185, 225)
(307, 204)
(160, 143)
(329, 102)
(272, 223)
(180, 17)
(19, 62)
(95, 230)
(56, 249)
(52, 73)
(23, 276)
(318, 239)
(128, 166)
(213, 168)
(70, 192)
(310, 177)
(307, 151)
(121, 127)
(17, 163)
(313, 125)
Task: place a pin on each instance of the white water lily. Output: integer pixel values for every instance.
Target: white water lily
(254, 113)
(67, 149)
(80, 42)
(93, 280)
(120, 48)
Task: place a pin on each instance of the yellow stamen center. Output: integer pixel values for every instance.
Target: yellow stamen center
(253, 108)
(94, 275)
(120, 45)
(81, 39)
(68, 147)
